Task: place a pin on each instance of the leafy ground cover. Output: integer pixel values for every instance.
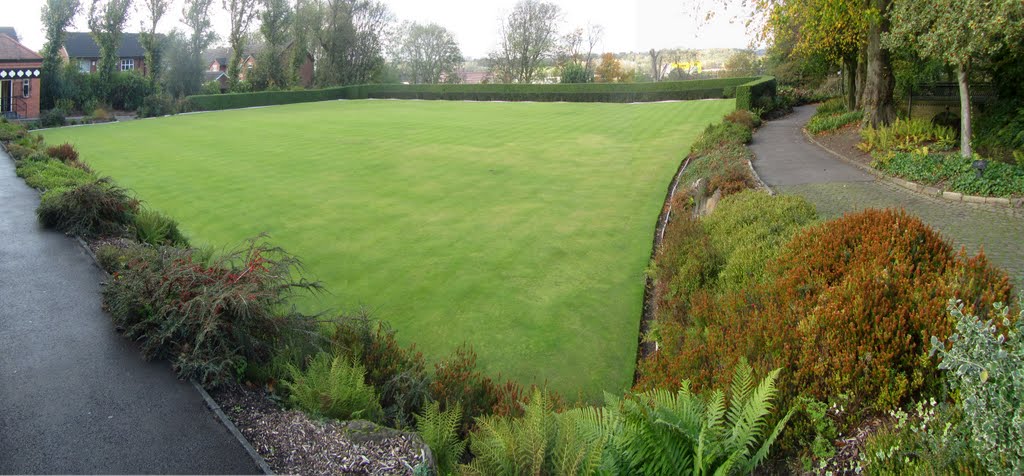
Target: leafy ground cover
(523, 229)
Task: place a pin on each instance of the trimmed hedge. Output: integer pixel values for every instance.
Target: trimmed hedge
(591, 92)
(750, 94)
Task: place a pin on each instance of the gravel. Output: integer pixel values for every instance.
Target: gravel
(294, 443)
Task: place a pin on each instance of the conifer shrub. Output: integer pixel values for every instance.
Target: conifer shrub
(90, 210)
(44, 173)
(156, 229)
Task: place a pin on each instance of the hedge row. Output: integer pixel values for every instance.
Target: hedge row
(751, 94)
(593, 92)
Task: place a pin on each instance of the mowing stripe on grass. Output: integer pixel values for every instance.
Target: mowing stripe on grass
(521, 228)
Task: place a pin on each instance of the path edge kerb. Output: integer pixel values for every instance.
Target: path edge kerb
(1013, 207)
(210, 402)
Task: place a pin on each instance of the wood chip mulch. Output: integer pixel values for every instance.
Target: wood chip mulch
(293, 443)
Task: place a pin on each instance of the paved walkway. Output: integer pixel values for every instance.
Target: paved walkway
(76, 397)
(788, 163)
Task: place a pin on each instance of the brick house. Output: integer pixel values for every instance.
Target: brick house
(81, 49)
(217, 60)
(20, 69)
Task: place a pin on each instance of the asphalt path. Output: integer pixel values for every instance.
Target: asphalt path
(76, 397)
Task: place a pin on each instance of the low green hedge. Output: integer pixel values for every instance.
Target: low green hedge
(591, 92)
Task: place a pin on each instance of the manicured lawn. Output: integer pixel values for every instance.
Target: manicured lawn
(521, 228)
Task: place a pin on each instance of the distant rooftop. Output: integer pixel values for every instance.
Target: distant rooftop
(81, 45)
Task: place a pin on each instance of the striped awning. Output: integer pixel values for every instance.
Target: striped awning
(16, 73)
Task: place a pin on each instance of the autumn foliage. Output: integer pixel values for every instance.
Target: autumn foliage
(849, 309)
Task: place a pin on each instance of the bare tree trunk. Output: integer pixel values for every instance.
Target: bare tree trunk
(850, 78)
(879, 107)
(965, 111)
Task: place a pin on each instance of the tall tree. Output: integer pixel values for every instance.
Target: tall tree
(528, 37)
(241, 13)
(428, 53)
(272, 68)
(350, 40)
(655, 64)
(880, 83)
(106, 23)
(741, 63)
(306, 22)
(57, 16)
(959, 33)
(610, 70)
(150, 40)
(187, 63)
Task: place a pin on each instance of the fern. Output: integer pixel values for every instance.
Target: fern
(333, 388)
(440, 431)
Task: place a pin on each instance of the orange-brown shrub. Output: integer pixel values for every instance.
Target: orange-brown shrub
(849, 310)
(744, 118)
(65, 153)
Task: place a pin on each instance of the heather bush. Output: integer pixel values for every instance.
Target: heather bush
(848, 308)
(11, 131)
(333, 387)
(114, 257)
(747, 230)
(155, 228)
(65, 153)
(984, 360)
(744, 118)
(20, 152)
(723, 133)
(211, 320)
(44, 173)
(90, 210)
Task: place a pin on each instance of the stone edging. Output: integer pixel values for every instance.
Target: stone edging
(210, 402)
(1012, 207)
(644, 349)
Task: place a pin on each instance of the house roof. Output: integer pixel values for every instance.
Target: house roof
(11, 50)
(212, 75)
(9, 31)
(81, 45)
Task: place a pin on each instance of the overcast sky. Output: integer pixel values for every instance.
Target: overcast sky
(636, 25)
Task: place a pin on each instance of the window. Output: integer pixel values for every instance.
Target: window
(84, 66)
(26, 88)
(127, 64)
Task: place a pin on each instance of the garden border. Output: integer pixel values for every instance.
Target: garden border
(210, 402)
(1013, 207)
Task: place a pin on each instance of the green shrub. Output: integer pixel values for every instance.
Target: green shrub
(439, 431)
(930, 440)
(333, 387)
(115, 257)
(748, 229)
(211, 320)
(155, 228)
(540, 442)
(985, 366)
(826, 123)
(156, 105)
(127, 90)
(52, 118)
(20, 152)
(44, 174)
(685, 263)
(90, 210)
